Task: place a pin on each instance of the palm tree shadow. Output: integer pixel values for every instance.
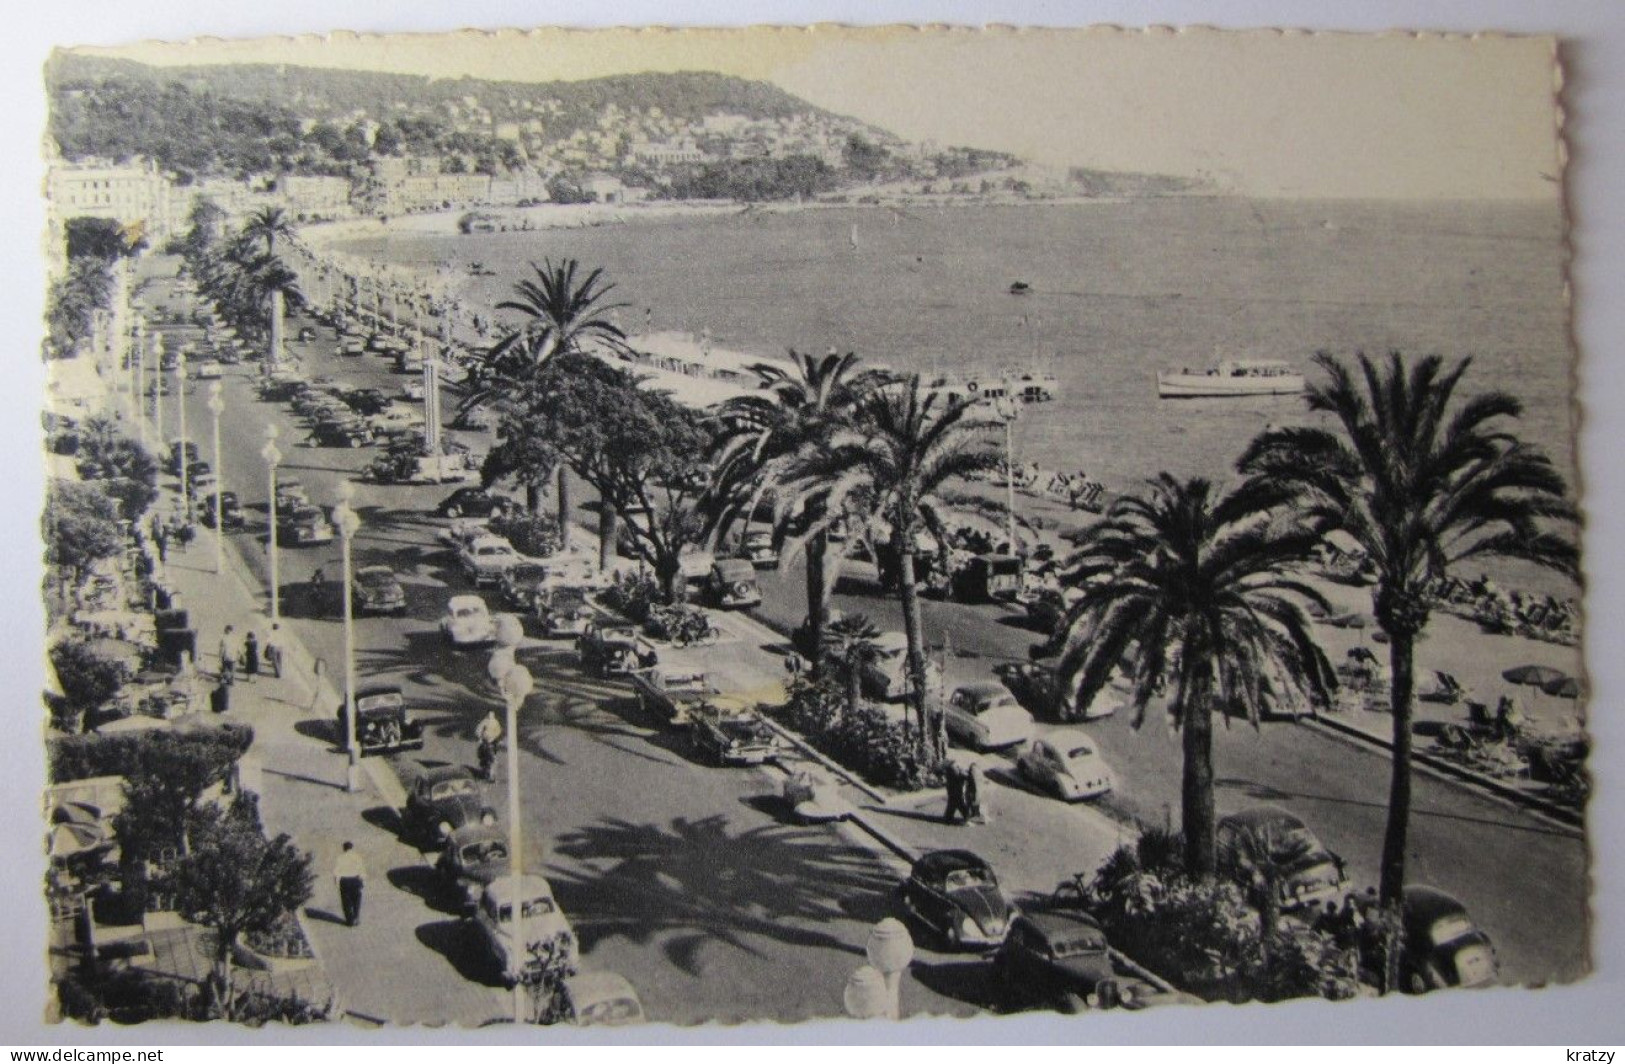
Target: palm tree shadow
(696, 881)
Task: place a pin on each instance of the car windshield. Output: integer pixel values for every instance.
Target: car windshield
(1076, 947)
(534, 907)
(451, 789)
(966, 878)
(492, 549)
(523, 574)
(1078, 752)
(387, 700)
(467, 611)
(1450, 928)
(483, 851)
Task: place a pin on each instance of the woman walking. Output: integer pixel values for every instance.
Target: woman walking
(251, 655)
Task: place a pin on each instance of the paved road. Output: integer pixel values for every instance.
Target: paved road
(1524, 879)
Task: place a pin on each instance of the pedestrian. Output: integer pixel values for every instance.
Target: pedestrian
(1326, 921)
(955, 781)
(251, 655)
(273, 651)
(488, 732)
(161, 541)
(228, 655)
(793, 666)
(220, 697)
(976, 804)
(351, 876)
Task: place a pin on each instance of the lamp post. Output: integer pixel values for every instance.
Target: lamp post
(158, 387)
(180, 401)
(272, 456)
(344, 516)
(1009, 411)
(217, 406)
(516, 685)
(890, 950)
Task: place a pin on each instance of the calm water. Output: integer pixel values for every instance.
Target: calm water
(1119, 290)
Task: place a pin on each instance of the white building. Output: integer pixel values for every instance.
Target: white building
(135, 195)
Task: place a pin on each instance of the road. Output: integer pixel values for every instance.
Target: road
(674, 872)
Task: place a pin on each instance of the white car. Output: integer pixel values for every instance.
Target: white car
(987, 716)
(464, 530)
(541, 923)
(413, 390)
(467, 622)
(1067, 765)
(207, 370)
(886, 677)
(397, 417)
(485, 558)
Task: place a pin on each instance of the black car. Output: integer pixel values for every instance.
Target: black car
(732, 738)
(1443, 947)
(231, 510)
(306, 334)
(441, 801)
(955, 894)
(472, 502)
(611, 647)
(341, 433)
(376, 590)
(1306, 873)
(382, 724)
(1059, 956)
(366, 401)
(475, 854)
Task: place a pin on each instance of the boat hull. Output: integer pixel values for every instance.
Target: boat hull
(1203, 386)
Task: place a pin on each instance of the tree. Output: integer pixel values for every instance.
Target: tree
(267, 224)
(163, 788)
(905, 443)
(119, 464)
(1422, 481)
(236, 881)
(758, 437)
(81, 528)
(102, 238)
(74, 299)
(852, 643)
(87, 681)
(1202, 595)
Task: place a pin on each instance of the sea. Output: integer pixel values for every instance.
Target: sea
(1116, 291)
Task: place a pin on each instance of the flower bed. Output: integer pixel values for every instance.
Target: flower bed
(863, 740)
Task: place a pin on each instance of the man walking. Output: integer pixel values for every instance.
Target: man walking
(955, 780)
(351, 876)
(273, 651)
(488, 732)
(228, 655)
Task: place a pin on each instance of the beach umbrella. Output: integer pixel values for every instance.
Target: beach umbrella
(69, 840)
(1567, 687)
(1534, 675)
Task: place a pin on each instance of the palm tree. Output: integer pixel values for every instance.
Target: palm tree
(852, 642)
(560, 313)
(759, 436)
(905, 443)
(1202, 595)
(267, 224)
(1421, 481)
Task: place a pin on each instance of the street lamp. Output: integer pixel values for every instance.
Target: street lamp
(516, 685)
(180, 401)
(1009, 410)
(272, 456)
(158, 387)
(344, 517)
(217, 406)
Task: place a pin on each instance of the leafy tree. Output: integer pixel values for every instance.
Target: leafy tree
(81, 528)
(235, 881)
(102, 238)
(1202, 594)
(905, 444)
(863, 158)
(267, 224)
(853, 643)
(87, 679)
(73, 301)
(1422, 480)
(119, 465)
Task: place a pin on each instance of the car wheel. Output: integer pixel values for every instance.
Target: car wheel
(454, 511)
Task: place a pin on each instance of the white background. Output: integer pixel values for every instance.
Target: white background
(1594, 54)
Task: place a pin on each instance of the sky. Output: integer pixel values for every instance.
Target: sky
(1264, 113)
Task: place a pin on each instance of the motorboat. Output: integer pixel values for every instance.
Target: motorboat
(1233, 377)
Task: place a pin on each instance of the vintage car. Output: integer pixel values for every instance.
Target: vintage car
(382, 723)
(757, 548)
(301, 525)
(394, 417)
(1067, 766)
(306, 334)
(987, 716)
(730, 736)
(612, 647)
(467, 622)
(462, 531)
(598, 999)
(1312, 874)
(376, 590)
(955, 894)
(366, 401)
(207, 370)
(731, 584)
(352, 347)
(290, 493)
(562, 611)
(885, 676)
(441, 801)
(541, 925)
(475, 502)
(521, 583)
(1058, 956)
(474, 856)
(342, 431)
(413, 390)
(670, 695)
(989, 578)
(1443, 947)
(1038, 690)
(486, 558)
(231, 510)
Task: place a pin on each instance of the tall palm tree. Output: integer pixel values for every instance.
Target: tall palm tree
(560, 313)
(905, 443)
(852, 642)
(1421, 480)
(267, 224)
(1196, 596)
(759, 436)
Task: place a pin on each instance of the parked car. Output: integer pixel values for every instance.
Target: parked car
(987, 716)
(306, 334)
(486, 558)
(462, 531)
(510, 943)
(562, 611)
(302, 526)
(886, 675)
(290, 493)
(382, 723)
(441, 801)
(757, 548)
(1443, 947)
(475, 502)
(1059, 956)
(598, 999)
(366, 401)
(395, 417)
(521, 583)
(731, 583)
(467, 622)
(341, 432)
(1311, 874)
(352, 347)
(613, 647)
(474, 856)
(955, 894)
(671, 695)
(730, 736)
(231, 510)
(1067, 765)
(377, 590)
(207, 370)
(989, 578)
(413, 390)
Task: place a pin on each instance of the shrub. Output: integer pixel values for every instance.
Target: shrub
(865, 740)
(633, 595)
(677, 623)
(88, 681)
(530, 534)
(80, 757)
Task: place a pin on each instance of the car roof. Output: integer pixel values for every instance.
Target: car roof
(489, 541)
(532, 885)
(1263, 815)
(442, 773)
(737, 566)
(372, 690)
(477, 833)
(1065, 924)
(986, 689)
(1428, 903)
(375, 570)
(941, 862)
(459, 601)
